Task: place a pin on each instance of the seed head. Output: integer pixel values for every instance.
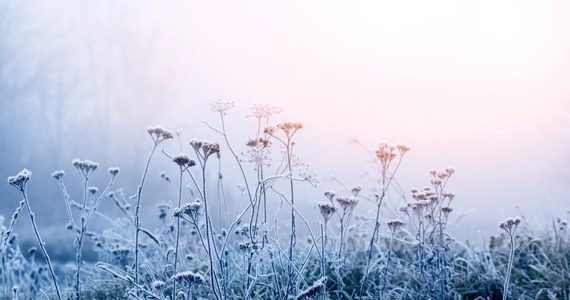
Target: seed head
(85, 167)
(355, 190)
(19, 181)
(330, 195)
(221, 106)
(188, 277)
(93, 190)
(327, 210)
(510, 224)
(114, 171)
(159, 134)
(183, 161)
(403, 149)
(58, 175)
(264, 110)
(347, 203)
(395, 224)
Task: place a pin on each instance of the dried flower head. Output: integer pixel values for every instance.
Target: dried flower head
(58, 175)
(221, 106)
(330, 195)
(356, 190)
(114, 171)
(264, 110)
(93, 190)
(183, 161)
(189, 278)
(327, 210)
(510, 224)
(403, 149)
(205, 149)
(20, 180)
(85, 167)
(385, 154)
(159, 133)
(395, 224)
(347, 203)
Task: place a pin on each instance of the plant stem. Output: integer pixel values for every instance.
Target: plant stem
(42, 244)
(137, 213)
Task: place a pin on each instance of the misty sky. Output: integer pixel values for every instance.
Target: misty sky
(478, 85)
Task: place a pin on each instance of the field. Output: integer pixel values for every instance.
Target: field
(211, 245)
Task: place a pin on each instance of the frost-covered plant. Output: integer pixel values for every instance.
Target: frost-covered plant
(385, 155)
(20, 182)
(509, 226)
(429, 213)
(87, 208)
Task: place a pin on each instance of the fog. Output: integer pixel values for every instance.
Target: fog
(481, 86)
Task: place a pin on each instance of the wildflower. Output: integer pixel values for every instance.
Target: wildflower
(510, 224)
(183, 161)
(57, 175)
(264, 110)
(403, 149)
(314, 290)
(446, 210)
(188, 277)
(206, 148)
(290, 126)
(93, 190)
(355, 190)
(436, 182)
(258, 143)
(19, 181)
(85, 167)
(347, 203)
(269, 130)
(450, 171)
(248, 247)
(327, 210)
(395, 224)
(221, 106)
(159, 134)
(385, 154)
(114, 171)
(329, 195)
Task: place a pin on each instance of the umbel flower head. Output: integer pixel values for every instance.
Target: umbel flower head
(19, 181)
(205, 149)
(183, 161)
(188, 277)
(85, 167)
(58, 175)
(327, 210)
(264, 110)
(159, 134)
(395, 224)
(510, 224)
(221, 106)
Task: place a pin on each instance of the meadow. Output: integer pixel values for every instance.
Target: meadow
(213, 245)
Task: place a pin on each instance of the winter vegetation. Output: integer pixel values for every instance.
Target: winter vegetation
(250, 241)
